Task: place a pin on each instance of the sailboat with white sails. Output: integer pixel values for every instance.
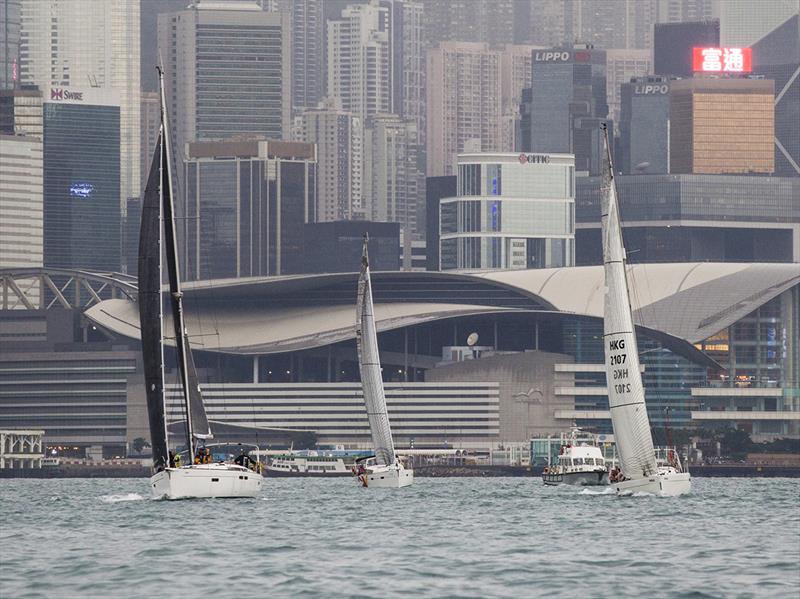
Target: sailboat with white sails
(169, 480)
(640, 470)
(384, 469)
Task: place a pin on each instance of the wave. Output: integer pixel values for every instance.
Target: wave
(606, 491)
(119, 498)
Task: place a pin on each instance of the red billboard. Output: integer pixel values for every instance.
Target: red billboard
(722, 60)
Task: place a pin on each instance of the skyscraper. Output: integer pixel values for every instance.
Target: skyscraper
(672, 50)
(338, 136)
(391, 178)
(82, 213)
(776, 56)
(227, 71)
(83, 43)
(463, 102)
(566, 104)
(722, 126)
(247, 203)
(744, 22)
(21, 112)
(9, 42)
(621, 65)
(482, 21)
(621, 24)
(644, 126)
(360, 73)
(678, 11)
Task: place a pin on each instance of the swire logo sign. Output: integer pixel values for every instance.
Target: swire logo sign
(722, 60)
(59, 94)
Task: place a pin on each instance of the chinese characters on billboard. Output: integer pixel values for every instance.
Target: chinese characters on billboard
(722, 60)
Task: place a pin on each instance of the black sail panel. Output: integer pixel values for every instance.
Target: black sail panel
(150, 313)
(200, 426)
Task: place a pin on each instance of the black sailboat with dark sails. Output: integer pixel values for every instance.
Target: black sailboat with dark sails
(157, 226)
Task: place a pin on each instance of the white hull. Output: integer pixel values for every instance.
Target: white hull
(584, 479)
(205, 480)
(667, 483)
(387, 477)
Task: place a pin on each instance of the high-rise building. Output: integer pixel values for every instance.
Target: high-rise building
(722, 126)
(463, 102)
(481, 21)
(511, 211)
(744, 22)
(338, 136)
(436, 188)
(644, 126)
(566, 104)
(247, 202)
(9, 42)
(83, 43)
(694, 218)
(539, 22)
(150, 125)
(21, 112)
(776, 56)
(82, 213)
(621, 65)
(21, 209)
(336, 246)
(360, 60)
(227, 71)
(413, 74)
(678, 11)
(391, 178)
(622, 24)
(672, 49)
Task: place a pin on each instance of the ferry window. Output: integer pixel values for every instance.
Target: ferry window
(577, 461)
(598, 461)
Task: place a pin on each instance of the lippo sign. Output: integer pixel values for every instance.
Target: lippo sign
(722, 60)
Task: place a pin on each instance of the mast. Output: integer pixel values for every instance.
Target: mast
(625, 389)
(370, 367)
(176, 295)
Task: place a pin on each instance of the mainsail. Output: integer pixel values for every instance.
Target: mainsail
(150, 311)
(370, 367)
(625, 390)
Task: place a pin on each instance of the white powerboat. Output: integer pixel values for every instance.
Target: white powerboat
(169, 480)
(579, 463)
(640, 472)
(384, 469)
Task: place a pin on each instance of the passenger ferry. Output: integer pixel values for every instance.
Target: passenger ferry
(579, 463)
(307, 465)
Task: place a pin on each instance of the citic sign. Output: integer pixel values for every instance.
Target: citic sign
(65, 94)
(722, 60)
(534, 159)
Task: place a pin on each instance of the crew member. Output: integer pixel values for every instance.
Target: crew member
(177, 460)
(207, 457)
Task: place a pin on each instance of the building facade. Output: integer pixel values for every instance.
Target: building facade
(9, 46)
(464, 103)
(21, 112)
(673, 43)
(246, 203)
(621, 66)
(695, 218)
(82, 213)
(512, 211)
(336, 246)
(644, 126)
(21, 206)
(742, 23)
(722, 126)
(227, 71)
(567, 102)
(338, 136)
(83, 43)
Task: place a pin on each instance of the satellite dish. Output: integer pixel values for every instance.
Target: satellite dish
(472, 339)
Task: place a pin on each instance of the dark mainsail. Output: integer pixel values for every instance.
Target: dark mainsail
(150, 311)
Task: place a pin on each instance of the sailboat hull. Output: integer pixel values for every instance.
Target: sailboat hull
(667, 483)
(387, 477)
(205, 481)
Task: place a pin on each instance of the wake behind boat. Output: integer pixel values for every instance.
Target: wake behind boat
(170, 480)
(384, 469)
(640, 471)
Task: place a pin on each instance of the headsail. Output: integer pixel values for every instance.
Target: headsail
(150, 310)
(370, 368)
(625, 390)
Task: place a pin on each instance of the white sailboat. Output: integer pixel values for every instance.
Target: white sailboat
(384, 469)
(640, 470)
(169, 480)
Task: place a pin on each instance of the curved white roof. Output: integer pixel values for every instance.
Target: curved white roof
(687, 301)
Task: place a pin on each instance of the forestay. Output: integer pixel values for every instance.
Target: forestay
(370, 368)
(625, 390)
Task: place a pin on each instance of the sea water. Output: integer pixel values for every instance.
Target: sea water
(454, 537)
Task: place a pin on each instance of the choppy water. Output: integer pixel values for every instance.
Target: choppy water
(457, 537)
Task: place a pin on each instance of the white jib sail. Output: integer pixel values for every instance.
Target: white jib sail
(370, 367)
(625, 390)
